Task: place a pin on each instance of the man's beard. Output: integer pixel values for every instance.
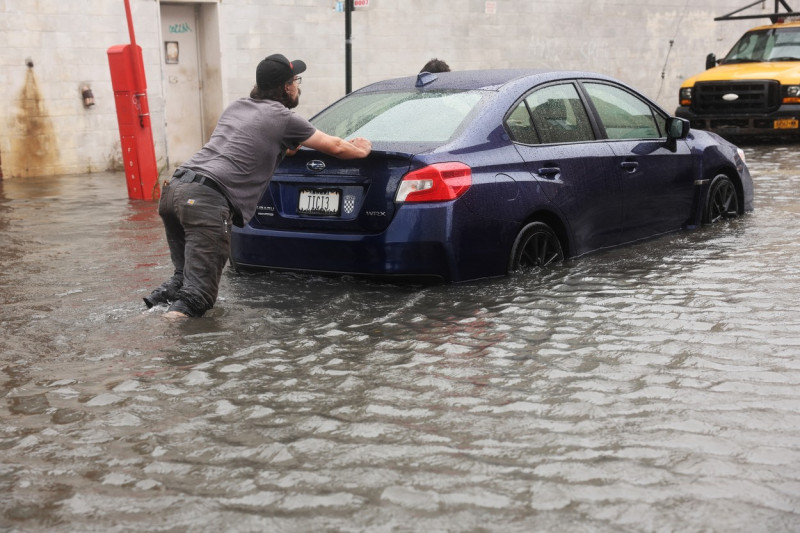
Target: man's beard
(293, 102)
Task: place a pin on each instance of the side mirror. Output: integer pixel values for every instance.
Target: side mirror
(677, 128)
(711, 61)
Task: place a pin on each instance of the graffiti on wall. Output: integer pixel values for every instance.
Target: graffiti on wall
(182, 27)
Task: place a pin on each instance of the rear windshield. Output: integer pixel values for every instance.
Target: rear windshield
(399, 116)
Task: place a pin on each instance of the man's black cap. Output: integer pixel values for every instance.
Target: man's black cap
(276, 70)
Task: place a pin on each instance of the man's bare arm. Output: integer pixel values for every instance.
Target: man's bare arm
(337, 147)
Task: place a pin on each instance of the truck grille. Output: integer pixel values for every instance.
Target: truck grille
(752, 97)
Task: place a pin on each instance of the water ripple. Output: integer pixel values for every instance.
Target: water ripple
(653, 387)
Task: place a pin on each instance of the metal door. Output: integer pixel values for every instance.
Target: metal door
(183, 84)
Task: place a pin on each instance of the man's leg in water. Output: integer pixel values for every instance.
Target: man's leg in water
(176, 239)
(206, 221)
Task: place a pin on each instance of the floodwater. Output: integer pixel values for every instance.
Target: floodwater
(650, 388)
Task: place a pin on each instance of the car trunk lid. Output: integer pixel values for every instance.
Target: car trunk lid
(312, 191)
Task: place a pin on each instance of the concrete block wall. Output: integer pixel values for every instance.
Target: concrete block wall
(49, 49)
(45, 129)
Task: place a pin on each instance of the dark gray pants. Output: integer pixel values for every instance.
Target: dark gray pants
(197, 220)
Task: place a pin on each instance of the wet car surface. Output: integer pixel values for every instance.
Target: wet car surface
(479, 173)
(651, 387)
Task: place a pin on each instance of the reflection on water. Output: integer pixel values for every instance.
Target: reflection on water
(654, 387)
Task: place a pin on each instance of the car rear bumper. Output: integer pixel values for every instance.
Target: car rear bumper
(770, 124)
(344, 254)
(419, 242)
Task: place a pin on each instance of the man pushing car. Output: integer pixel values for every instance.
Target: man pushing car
(221, 184)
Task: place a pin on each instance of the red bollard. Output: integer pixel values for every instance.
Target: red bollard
(133, 115)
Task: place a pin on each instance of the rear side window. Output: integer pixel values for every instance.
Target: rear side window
(558, 115)
(520, 125)
(623, 115)
(399, 116)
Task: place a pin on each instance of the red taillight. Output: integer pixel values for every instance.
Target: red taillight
(439, 182)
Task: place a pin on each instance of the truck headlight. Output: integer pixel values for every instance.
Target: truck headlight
(685, 96)
(791, 94)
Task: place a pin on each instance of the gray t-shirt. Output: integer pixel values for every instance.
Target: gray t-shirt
(248, 142)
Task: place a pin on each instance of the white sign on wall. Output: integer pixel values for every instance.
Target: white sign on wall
(356, 3)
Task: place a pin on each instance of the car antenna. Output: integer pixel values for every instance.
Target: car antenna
(424, 78)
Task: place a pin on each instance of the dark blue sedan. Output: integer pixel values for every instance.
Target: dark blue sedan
(478, 173)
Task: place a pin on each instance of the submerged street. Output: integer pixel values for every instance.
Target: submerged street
(654, 387)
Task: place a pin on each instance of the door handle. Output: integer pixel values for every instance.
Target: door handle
(630, 166)
(550, 172)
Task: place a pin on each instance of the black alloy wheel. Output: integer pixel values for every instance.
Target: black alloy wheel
(536, 246)
(723, 202)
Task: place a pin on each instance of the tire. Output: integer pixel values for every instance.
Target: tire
(536, 246)
(722, 202)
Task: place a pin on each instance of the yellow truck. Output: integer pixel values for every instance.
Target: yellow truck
(755, 89)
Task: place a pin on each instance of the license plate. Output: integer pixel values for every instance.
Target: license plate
(786, 124)
(319, 202)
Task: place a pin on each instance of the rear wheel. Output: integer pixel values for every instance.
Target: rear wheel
(536, 246)
(722, 202)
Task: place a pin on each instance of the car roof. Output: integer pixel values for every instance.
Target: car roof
(477, 79)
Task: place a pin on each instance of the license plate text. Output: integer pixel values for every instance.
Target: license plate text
(786, 124)
(319, 202)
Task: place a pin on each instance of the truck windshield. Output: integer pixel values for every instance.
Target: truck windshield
(776, 44)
